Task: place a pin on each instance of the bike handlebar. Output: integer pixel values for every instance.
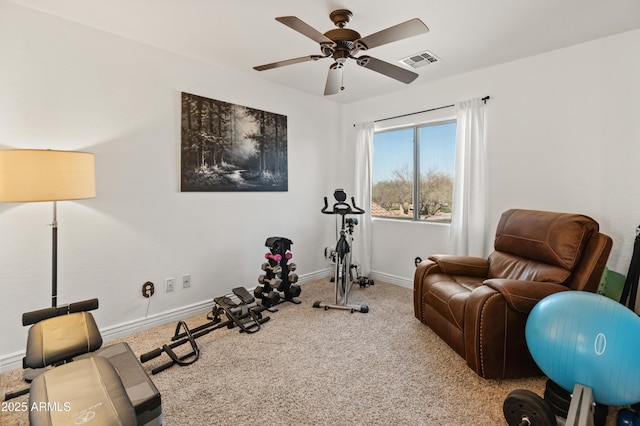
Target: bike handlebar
(342, 208)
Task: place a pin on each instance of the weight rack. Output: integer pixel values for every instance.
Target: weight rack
(278, 283)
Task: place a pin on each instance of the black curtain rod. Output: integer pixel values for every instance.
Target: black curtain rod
(485, 99)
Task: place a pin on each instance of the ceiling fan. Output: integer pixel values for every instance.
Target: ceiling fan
(342, 43)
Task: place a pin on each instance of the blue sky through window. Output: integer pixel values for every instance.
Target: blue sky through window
(393, 150)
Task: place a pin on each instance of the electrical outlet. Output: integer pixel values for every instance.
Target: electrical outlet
(186, 281)
(169, 284)
(148, 289)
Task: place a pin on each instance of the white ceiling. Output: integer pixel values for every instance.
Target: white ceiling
(239, 34)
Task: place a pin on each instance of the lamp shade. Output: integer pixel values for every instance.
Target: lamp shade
(46, 175)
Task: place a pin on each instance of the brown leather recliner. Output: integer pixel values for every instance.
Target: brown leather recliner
(480, 306)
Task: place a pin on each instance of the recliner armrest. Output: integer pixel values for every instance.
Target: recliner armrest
(522, 296)
(461, 265)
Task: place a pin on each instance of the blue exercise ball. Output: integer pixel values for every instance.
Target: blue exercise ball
(580, 337)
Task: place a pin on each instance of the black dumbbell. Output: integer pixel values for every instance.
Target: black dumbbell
(273, 282)
(257, 292)
(270, 299)
(295, 290)
(275, 269)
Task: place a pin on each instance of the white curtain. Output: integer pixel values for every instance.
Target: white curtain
(468, 222)
(364, 164)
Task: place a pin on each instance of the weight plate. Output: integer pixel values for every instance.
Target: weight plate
(557, 391)
(557, 398)
(522, 403)
(559, 410)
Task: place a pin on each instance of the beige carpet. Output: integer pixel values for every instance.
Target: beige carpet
(309, 366)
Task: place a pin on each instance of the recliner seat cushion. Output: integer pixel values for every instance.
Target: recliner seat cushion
(448, 294)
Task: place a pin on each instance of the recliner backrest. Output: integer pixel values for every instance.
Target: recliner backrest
(540, 246)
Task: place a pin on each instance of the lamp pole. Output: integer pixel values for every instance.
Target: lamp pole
(54, 260)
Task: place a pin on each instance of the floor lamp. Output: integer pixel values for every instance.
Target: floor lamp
(31, 175)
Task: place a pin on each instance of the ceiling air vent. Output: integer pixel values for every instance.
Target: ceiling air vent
(420, 59)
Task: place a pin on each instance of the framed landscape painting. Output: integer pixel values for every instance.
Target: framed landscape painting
(228, 147)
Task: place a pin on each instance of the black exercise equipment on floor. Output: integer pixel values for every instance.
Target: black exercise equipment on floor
(525, 408)
(240, 309)
(343, 276)
(278, 283)
(630, 289)
(560, 402)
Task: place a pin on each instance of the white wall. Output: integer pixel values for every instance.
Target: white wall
(66, 86)
(563, 135)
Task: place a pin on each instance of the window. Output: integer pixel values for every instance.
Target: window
(413, 169)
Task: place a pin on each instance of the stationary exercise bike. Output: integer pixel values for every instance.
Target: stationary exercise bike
(342, 255)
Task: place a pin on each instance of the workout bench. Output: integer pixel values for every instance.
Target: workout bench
(103, 386)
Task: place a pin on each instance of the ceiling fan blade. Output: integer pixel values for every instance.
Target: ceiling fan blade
(287, 62)
(334, 80)
(410, 28)
(304, 29)
(387, 69)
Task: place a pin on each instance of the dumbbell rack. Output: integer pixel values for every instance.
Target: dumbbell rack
(278, 283)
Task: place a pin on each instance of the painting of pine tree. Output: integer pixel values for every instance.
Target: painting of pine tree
(228, 147)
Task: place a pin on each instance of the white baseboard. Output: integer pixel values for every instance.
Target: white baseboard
(391, 279)
(11, 361)
(127, 328)
(14, 360)
(317, 275)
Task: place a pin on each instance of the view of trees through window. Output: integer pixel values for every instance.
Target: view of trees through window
(413, 171)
